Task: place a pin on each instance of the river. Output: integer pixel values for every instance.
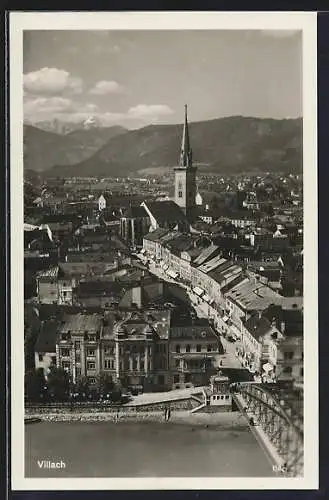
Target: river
(132, 449)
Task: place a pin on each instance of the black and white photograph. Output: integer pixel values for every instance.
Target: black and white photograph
(164, 288)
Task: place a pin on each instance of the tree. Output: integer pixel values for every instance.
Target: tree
(81, 389)
(116, 393)
(35, 384)
(104, 384)
(58, 383)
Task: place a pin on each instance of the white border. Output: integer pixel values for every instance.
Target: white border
(306, 22)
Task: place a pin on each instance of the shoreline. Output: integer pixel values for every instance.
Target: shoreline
(221, 420)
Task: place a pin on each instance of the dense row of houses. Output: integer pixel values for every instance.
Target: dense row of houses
(240, 302)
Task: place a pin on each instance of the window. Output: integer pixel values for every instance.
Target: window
(288, 355)
(91, 352)
(176, 379)
(287, 369)
(78, 358)
(187, 377)
(108, 350)
(109, 364)
(92, 380)
(77, 345)
(177, 363)
(177, 348)
(78, 372)
(92, 338)
(227, 397)
(180, 194)
(66, 365)
(40, 357)
(209, 348)
(198, 348)
(91, 365)
(188, 348)
(65, 352)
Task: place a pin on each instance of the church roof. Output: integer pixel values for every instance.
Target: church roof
(166, 211)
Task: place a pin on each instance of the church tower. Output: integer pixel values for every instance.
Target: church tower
(185, 176)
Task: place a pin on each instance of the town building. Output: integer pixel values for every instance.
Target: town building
(134, 224)
(54, 286)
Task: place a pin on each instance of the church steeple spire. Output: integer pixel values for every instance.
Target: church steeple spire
(186, 151)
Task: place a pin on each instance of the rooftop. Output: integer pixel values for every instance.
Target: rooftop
(252, 295)
(213, 264)
(51, 273)
(81, 323)
(166, 210)
(156, 235)
(46, 341)
(258, 326)
(206, 254)
(194, 332)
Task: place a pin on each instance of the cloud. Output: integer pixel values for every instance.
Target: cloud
(52, 81)
(40, 108)
(153, 111)
(46, 108)
(280, 33)
(104, 87)
(107, 49)
(45, 105)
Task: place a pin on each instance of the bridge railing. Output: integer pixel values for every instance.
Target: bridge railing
(282, 425)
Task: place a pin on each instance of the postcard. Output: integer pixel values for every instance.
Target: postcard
(163, 180)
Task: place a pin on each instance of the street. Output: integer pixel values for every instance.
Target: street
(204, 310)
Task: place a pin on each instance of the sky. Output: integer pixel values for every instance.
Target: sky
(135, 78)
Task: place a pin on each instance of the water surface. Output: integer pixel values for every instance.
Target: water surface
(130, 449)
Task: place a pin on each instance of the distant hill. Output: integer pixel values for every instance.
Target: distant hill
(44, 149)
(224, 145)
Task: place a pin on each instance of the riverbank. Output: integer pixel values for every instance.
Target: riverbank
(225, 420)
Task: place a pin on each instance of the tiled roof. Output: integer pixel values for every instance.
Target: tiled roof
(167, 210)
(136, 212)
(81, 323)
(226, 275)
(194, 332)
(232, 284)
(180, 244)
(156, 235)
(46, 341)
(51, 273)
(206, 254)
(252, 295)
(212, 264)
(257, 326)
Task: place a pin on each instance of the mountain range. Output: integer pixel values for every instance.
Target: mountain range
(226, 145)
(44, 149)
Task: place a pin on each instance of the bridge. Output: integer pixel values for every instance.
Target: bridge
(275, 416)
